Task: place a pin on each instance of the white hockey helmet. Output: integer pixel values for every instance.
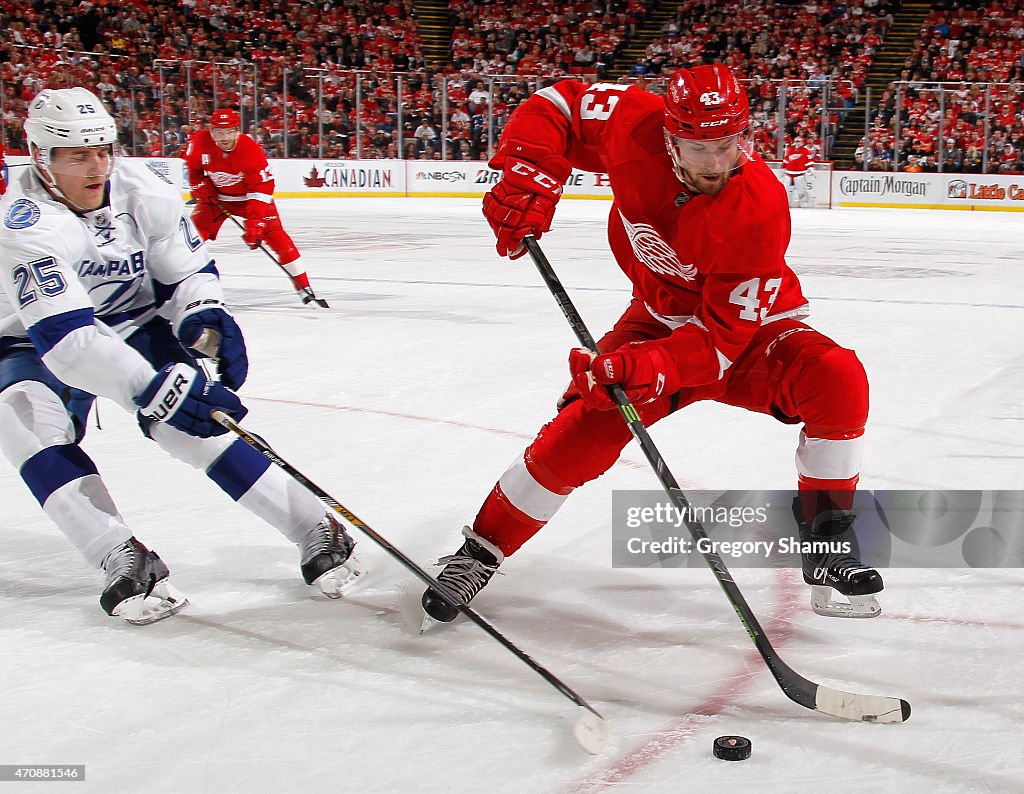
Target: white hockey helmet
(67, 117)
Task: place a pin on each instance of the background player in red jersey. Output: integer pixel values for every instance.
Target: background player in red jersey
(229, 173)
(796, 164)
(700, 225)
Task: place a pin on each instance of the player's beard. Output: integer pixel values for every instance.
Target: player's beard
(708, 184)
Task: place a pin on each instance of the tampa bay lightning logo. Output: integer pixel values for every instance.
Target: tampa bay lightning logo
(114, 296)
(21, 214)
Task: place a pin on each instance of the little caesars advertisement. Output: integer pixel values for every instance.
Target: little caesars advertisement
(928, 191)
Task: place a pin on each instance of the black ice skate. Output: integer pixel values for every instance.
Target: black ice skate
(327, 559)
(830, 562)
(307, 296)
(465, 574)
(137, 587)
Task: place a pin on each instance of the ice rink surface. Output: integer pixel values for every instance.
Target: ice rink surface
(435, 365)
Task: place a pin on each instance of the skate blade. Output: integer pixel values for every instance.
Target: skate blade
(141, 610)
(429, 624)
(822, 602)
(341, 580)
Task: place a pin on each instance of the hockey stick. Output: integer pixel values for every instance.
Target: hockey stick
(845, 705)
(590, 728)
(308, 290)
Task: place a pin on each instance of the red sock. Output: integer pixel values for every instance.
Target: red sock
(819, 496)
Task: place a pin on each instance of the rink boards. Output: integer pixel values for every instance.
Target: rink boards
(325, 178)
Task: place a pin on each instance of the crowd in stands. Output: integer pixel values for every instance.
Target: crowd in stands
(542, 38)
(805, 45)
(936, 113)
(164, 65)
(501, 51)
(348, 78)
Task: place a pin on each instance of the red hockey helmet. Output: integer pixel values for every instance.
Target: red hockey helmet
(706, 103)
(224, 119)
(707, 126)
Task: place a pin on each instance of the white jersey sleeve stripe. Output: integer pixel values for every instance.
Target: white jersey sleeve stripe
(51, 330)
(723, 361)
(551, 94)
(94, 359)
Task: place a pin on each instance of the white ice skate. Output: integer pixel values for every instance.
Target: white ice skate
(138, 587)
(327, 559)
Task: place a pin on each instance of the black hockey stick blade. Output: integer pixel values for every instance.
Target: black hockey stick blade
(834, 702)
(844, 705)
(590, 728)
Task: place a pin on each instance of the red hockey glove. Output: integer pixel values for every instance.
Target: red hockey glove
(644, 370)
(255, 228)
(203, 190)
(570, 395)
(523, 202)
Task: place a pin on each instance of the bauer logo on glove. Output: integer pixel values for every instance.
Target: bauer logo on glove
(183, 398)
(167, 401)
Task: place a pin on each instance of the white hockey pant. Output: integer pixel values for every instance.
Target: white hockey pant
(799, 190)
(38, 438)
(248, 478)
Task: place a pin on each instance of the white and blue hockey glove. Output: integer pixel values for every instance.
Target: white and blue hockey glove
(182, 397)
(226, 336)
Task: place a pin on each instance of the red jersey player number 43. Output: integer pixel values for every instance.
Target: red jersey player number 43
(700, 226)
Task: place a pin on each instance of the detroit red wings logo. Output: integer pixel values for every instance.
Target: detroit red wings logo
(225, 179)
(649, 247)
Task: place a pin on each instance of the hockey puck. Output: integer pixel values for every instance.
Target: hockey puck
(732, 748)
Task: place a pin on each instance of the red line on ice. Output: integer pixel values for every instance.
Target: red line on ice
(984, 624)
(677, 732)
(428, 419)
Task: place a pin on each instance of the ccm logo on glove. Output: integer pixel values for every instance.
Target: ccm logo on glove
(643, 369)
(544, 180)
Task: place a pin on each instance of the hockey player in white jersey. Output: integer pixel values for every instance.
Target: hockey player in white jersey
(106, 286)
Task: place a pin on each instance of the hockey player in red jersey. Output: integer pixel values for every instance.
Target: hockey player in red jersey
(796, 165)
(700, 225)
(228, 173)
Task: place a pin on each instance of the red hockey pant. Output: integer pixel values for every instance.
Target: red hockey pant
(208, 217)
(789, 371)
